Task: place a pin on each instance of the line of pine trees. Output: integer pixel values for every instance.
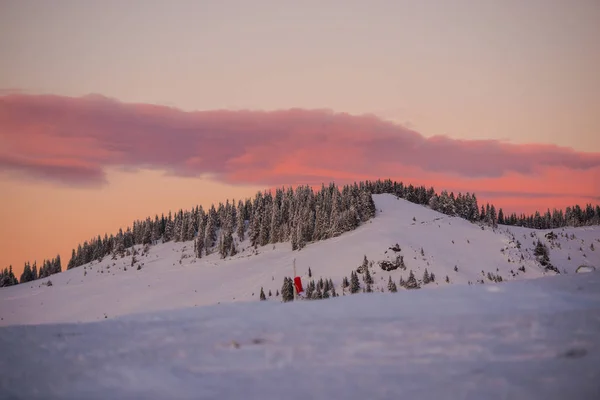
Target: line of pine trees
(465, 206)
(7, 277)
(31, 273)
(300, 216)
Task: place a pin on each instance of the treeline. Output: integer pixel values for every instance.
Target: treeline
(299, 216)
(31, 273)
(465, 206)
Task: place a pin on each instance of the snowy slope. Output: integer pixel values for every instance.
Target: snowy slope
(171, 277)
(532, 339)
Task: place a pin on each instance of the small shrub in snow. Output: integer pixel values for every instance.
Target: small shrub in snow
(139, 267)
(49, 283)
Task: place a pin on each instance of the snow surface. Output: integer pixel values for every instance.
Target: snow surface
(102, 332)
(171, 277)
(531, 339)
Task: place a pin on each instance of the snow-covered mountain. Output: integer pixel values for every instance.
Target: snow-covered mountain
(168, 276)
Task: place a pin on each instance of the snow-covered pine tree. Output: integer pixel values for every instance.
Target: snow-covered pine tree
(262, 295)
(287, 290)
(412, 283)
(275, 221)
(199, 246)
(210, 232)
(169, 229)
(317, 294)
(392, 285)
(335, 224)
(241, 218)
(255, 222)
(345, 282)
(426, 278)
(354, 283)
(191, 228)
(147, 237)
(367, 277)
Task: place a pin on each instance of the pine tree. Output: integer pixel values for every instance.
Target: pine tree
(317, 294)
(426, 278)
(309, 273)
(354, 283)
(240, 224)
(169, 229)
(191, 229)
(412, 283)
(262, 294)
(147, 238)
(345, 282)
(364, 266)
(367, 277)
(210, 234)
(392, 286)
(287, 290)
(199, 246)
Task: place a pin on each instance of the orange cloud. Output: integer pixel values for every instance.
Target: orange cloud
(74, 140)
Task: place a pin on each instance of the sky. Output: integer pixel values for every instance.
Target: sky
(113, 111)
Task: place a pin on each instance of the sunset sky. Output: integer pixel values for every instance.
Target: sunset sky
(112, 111)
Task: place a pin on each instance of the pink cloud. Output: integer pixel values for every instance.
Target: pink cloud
(73, 141)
